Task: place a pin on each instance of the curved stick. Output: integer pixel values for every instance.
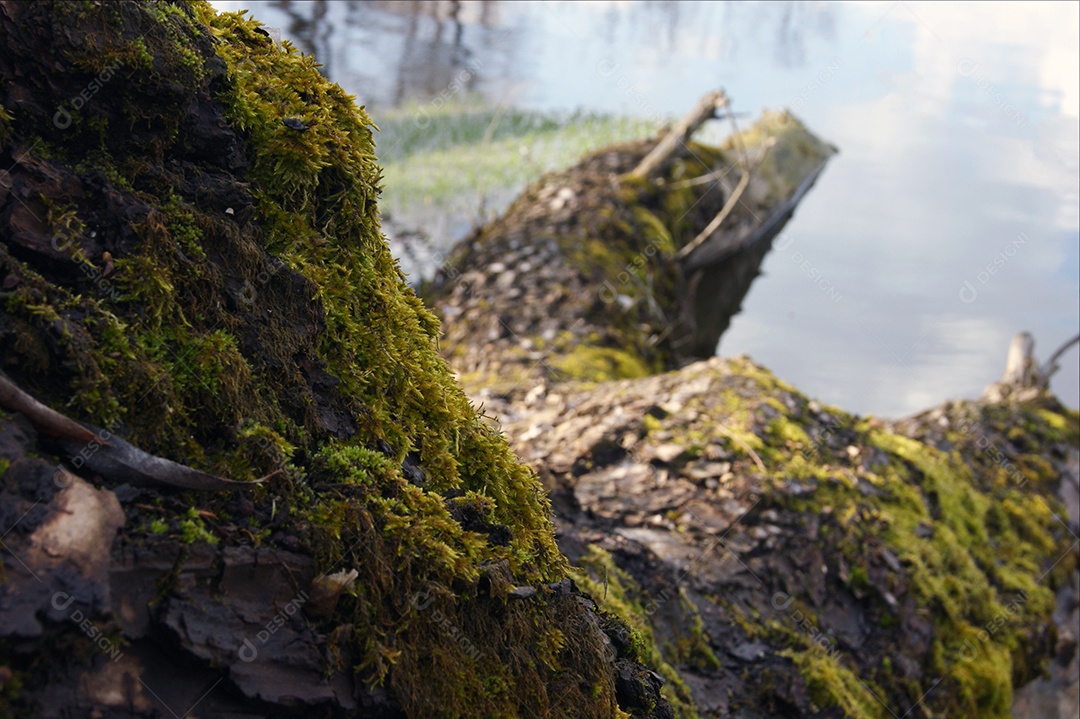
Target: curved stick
(106, 454)
(44, 419)
(1051, 366)
(120, 461)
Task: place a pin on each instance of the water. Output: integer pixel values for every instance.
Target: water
(948, 223)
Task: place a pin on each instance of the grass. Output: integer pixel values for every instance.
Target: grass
(449, 168)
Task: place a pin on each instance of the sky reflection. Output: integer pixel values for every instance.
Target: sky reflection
(947, 223)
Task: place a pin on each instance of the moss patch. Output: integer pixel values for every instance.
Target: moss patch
(599, 364)
(617, 593)
(225, 298)
(933, 544)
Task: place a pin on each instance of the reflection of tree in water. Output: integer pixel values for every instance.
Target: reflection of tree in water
(412, 49)
(304, 29)
(389, 51)
(785, 25)
(794, 21)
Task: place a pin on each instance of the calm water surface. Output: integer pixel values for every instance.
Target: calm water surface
(948, 222)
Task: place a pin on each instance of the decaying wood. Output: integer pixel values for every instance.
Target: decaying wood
(728, 230)
(734, 197)
(1020, 367)
(104, 453)
(674, 142)
(1023, 378)
(721, 248)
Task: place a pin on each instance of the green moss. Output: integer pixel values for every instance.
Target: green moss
(833, 685)
(167, 360)
(193, 530)
(140, 56)
(618, 594)
(1063, 424)
(203, 342)
(5, 125)
(651, 423)
(789, 434)
(859, 579)
(316, 191)
(656, 232)
(180, 219)
(978, 571)
(589, 363)
(692, 649)
(981, 573)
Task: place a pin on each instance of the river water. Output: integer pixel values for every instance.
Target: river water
(947, 223)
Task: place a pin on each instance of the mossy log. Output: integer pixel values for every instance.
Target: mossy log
(191, 259)
(773, 556)
(786, 558)
(585, 276)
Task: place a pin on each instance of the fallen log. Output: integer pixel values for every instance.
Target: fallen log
(192, 258)
(629, 263)
(411, 568)
(782, 553)
(781, 556)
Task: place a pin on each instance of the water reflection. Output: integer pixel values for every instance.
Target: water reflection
(390, 52)
(304, 25)
(958, 132)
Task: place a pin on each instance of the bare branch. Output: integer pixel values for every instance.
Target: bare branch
(674, 142)
(1051, 366)
(45, 420)
(106, 454)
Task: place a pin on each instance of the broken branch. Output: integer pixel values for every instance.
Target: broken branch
(719, 219)
(674, 142)
(1051, 366)
(735, 196)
